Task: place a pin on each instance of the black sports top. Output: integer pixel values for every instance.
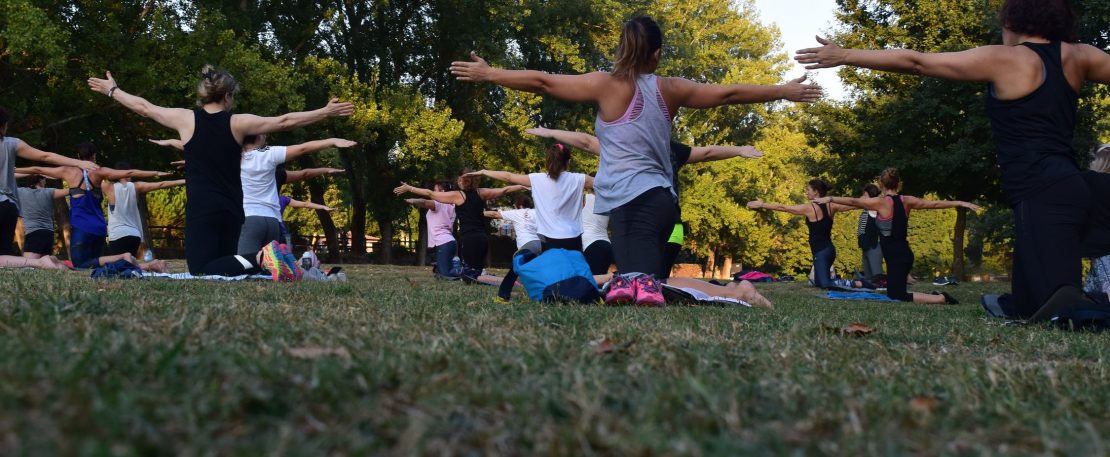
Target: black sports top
(472, 221)
(212, 159)
(897, 226)
(1033, 134)
(820, 232)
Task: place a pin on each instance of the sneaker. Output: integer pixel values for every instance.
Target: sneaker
(274, 261)
(948, 299)
(649, 292)
(621, 291)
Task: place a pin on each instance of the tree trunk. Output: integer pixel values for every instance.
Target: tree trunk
(958, 244)
(316, 194)
(358, 205)
(61, 214)
(726, 268)
(422, 239)
(710, 265)
(386, 227)
(144, 217)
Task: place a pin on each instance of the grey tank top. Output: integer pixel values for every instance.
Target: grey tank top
(123, 217)
(36, 208)
(635, 149)
(9, 190)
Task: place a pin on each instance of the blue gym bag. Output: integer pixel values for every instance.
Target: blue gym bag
(557, 274)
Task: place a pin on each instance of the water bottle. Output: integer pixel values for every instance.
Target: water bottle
(456, 266)
(148, 256)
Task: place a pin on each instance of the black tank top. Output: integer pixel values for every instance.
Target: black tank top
(820, 232)
(212, 159)
(899, 222)
(471, 219)
(1033, 134)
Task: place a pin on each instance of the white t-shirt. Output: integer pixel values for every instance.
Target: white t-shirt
(595, 227)
(524, 225)
(260, 193)
(558, 204)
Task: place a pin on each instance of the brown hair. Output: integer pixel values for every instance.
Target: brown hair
(889, 179)
(34, 180)
(86, 151)
(469, 183)
(1050, 19)
(522, 201)
(215, 85)
(558, 157)
(819, 186)
(1101, 162)
(871, 190)
(444, 184)
(640, 38)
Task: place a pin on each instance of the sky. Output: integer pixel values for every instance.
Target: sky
(799, 21)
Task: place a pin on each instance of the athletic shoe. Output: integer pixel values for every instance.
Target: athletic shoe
(622, 291)
(948, 299)
(649, 291)
(274, 261)
(501, 300)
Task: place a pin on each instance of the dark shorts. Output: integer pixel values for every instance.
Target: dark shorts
(39, 242)
(121, 245)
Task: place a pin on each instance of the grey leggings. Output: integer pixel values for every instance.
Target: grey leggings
(257, 232)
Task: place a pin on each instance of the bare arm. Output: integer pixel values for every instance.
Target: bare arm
(984, 64)
(21, 175)
(1098, 63)
(144, 187)
(577, 140)
(292, 152)
(511, 178)
(450, 198)
(590, 182)
(421, 203)
(115, 175)
(712, 153)
(797, 210)
(307, 173)
(310, 205)
(24, 151)
(492, 214)
(920, 203)
(491, 194)
(178, 119)
(170, 143)
(249, 124)
(680, 92)
(871, 204)
(49, 172)
(572, 88)
(61, 193)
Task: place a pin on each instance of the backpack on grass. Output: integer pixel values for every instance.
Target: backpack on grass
(558, 275)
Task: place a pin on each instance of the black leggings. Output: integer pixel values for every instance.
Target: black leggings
(670, 255)
(9, 215)
(570, 244)
(124, 244)
(899, 262)
(210, 243)
(640, 229)
(823, 260)
(1047, 233)
(599, 255)
(473, 248)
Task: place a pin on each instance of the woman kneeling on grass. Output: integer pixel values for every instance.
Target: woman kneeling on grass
(470, 206)
(893, 220)
(213, 141)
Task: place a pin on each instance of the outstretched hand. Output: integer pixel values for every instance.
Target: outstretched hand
(335, 171)
(795, 91)
(89, 166)
(474, 70)
(822, 200)
(342, 143)
(756, 204)
(179, 164)
(970, 206)
(102, 85)
(473, 174)
(336, 108)
(827, 56)
(538, 131)
(750, 152)
(400, 190)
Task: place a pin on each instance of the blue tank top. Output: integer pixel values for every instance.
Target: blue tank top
(85, 212)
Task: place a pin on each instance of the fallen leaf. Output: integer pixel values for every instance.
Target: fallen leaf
(853, 329)
(412, 283)
(924, 404)
(472, 303)
(317, 352)
(603, 345)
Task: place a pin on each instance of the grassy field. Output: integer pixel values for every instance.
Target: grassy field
(393, 362)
